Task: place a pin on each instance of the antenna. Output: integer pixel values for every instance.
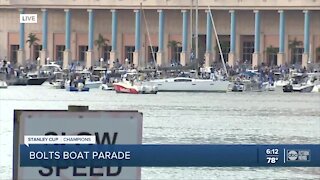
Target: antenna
(152, 50)
(218, 42)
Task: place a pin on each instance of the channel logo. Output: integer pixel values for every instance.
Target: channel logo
(298, 155)
(28, 18)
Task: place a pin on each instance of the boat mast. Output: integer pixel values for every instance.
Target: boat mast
(191, 24)
(152, 50)
(218, 42)
(196, 36)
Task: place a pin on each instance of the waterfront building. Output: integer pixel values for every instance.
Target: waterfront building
(274, 32)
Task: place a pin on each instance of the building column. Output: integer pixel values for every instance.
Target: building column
(114, 52)
(231, 55)
(282, 26)
(67, 50)
(137, 52)
(184, 54)
(44, 50)
(160, 53)
(90, 39)
(21, 52)
(306, 43)
(208, 55)
(256, 54)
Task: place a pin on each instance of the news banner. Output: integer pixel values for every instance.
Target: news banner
(44, 151)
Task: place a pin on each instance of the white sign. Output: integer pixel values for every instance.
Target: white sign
(108, 127)
(59, 140)
(28, 18)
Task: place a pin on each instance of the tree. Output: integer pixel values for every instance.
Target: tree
(173, 45)
(293, 44)
(101, 42)
(32, 40)
(270, 51)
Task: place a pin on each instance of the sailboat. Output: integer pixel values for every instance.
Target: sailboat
(186, 84)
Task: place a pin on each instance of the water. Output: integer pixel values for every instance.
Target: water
(190, 118)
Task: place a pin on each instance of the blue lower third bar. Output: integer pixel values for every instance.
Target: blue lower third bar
(170, 155)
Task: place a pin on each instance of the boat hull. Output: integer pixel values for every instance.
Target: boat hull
(36, 81)
(74, 89)
(92, 85)
(132, 89)
(194, 86)
(307, 88)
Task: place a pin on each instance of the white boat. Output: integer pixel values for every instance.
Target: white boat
(270, 86)
(302, 87)
(93, 84)
(184, 84)
(3, 85)
(106, 87)
(281, 83)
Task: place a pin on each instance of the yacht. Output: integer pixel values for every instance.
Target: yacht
(185, 84)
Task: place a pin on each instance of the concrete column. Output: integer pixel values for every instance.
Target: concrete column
(89, 53)
(160, 53)
(184, 56)
(67, 51)
(137, 52)
(256, 54)
(44, 50)
(306, 43)
(282, 27)
(231, 55)
(21, 51)
(114, 52)
(208, 55)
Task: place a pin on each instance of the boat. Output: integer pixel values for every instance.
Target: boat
(185, 84)
(58, 80)
(270, 86)
(107, 87)
(79, 88)
(91, 81)
(3, 85)
(134, 88)
(36, 81)
(303, 87)
(237, 87)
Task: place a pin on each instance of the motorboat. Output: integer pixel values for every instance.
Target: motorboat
(303, 87)
(281, 83)
(79, 88)
(35, 79)
(107, 87)
(58, 80)
(91, 81)
(237, 87)
(3, 85)
(185, 84)
(134, 88)
(270, 86)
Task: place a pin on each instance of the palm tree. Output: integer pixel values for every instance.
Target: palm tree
(270, 51)
(101, 42)
(173, 46)
(32, 40)
(293, 44)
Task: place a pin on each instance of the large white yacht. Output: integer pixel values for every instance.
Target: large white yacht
(185, 84)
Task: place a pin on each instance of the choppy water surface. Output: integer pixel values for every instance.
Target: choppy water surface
(247, 118)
